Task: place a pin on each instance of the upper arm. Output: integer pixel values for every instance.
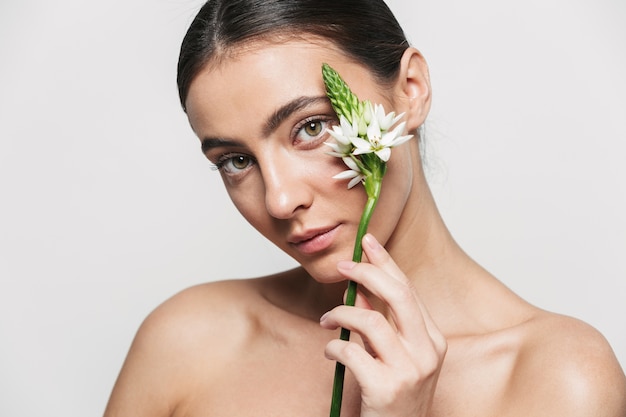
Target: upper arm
(181, 345)
(143, 387)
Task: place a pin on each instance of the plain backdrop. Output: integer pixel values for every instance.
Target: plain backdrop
(107, 206)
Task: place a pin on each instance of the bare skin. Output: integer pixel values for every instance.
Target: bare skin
(434, 334)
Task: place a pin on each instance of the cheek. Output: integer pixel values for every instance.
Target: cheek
(397, 187)
(249, 203)
(401, 166)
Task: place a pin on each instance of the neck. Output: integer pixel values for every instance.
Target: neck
(422, 245)
(457, 292)
(424, 249)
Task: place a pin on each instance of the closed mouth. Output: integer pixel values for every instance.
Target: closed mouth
(314, 240)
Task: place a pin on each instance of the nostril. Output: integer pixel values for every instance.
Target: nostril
(286, 184)
(277, 204)
(283, 200)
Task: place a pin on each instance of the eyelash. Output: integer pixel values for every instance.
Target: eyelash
(325, 121)
(220, 165)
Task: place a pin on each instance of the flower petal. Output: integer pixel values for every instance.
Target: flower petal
(387, 121)
(397, 118)
(345, 124)
(379, 112)
(384, 154)
(361, 145)
(400, 140)
(350, 163)
(344, 175)
(339, 136)
(373, 130)
(334, 146)
(354, 181)
(389, 137)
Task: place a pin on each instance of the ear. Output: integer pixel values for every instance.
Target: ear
(413, 86)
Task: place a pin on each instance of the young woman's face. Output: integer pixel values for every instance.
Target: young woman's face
(262, 116)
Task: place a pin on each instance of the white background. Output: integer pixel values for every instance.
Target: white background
(107, 206)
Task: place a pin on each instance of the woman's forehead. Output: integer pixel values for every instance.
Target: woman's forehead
(260, 77)
(256, 80)
(290, 61)
(266, 44)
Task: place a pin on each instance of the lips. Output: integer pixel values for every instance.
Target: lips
(313, 240)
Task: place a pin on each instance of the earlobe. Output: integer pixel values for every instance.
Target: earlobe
(414, 86)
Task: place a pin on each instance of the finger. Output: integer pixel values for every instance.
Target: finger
(377, 255)
(439, 341)
(378, 336)
(362, 302)
(399, 296)
(433, 330)
(365, 369)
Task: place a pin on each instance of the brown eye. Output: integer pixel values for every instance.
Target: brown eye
(240, 162)
(311, 131)
(233, 164)
(313, 128)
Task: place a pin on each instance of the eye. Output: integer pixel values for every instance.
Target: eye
(240, 161)
(310, 130)
(234, 163)
(313, 128)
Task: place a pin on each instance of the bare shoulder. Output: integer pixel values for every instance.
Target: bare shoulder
(193, 334)
(202, 310)
(197, 315)
(565, 367)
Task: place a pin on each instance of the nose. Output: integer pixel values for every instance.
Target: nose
(286, 189)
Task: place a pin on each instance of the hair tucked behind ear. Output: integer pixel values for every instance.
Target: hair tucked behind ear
(365, 30)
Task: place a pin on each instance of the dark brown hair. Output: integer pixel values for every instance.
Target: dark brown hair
(365, 30)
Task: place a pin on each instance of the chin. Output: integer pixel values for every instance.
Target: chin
(324, 269)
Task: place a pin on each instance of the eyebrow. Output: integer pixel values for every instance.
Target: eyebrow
(281, 114)
(272, 123)
(210, 143)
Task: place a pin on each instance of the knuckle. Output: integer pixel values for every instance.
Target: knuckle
(430, 363)
(350, 350)
(404, 294)
(412, 375)
(441, 345)
(331, 348)
(376, 321)
(428, 369)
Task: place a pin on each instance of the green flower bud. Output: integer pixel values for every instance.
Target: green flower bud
(345, 103)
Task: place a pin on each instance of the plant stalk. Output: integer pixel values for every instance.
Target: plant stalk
(373, 185)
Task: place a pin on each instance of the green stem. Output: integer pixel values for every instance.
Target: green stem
(373, 188)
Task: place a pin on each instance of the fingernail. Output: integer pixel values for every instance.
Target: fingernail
(371, 242)
(324, 316)
(346, 265)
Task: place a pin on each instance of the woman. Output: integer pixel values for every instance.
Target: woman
(434, 334)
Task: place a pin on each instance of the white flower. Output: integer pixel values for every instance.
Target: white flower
(379, 141)
(354, 172)
(385, 121)
(366, 133)
(343, 135)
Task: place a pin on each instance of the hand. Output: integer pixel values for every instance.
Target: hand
(398, 365)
